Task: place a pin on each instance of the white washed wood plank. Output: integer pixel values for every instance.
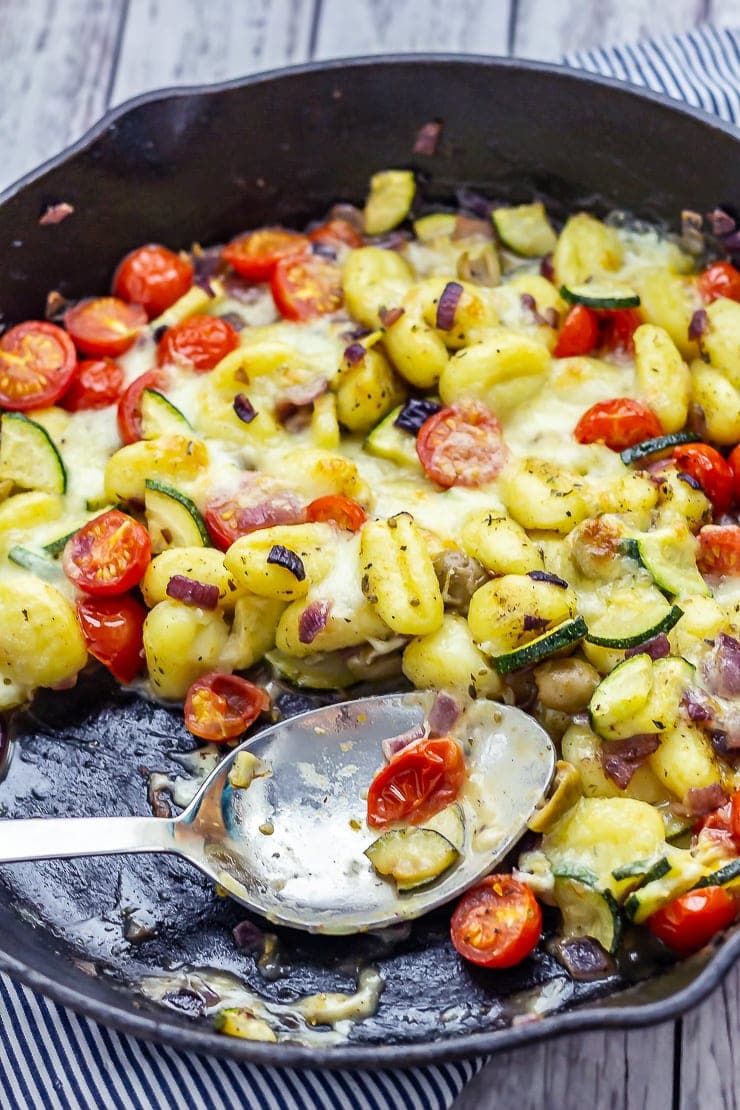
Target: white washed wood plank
(387, 26)
(615, 1069)
(183, 42)
(547, 29)
(56, 58)
(710, 1053)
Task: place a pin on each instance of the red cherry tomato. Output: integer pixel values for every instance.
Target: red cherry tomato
(337, 232)
(496, 923)
(712, 472)
(129, 406)
(618, 327)
(104, 325)
(339, 510)
(579, 333)
(97, 384)
(461, 445)
(255, 255)
(37, 363)
(113, 630)
(418, 782)
(618, 423)
(721, 279)
(153, 277)
(734, 461)
(306, 286)
(690, 921)
(199, 342)
(719, 549)
(108, 556)
(221, 706)
(259, 501)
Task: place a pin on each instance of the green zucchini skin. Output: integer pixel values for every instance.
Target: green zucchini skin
(29, 456)
(621, 642)
(569, 632)
(650, 447)
(726, 874)
(598, 296)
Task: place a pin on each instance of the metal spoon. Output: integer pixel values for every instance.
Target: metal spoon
(290, 846)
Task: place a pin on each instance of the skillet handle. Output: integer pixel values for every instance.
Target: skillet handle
(65, 837)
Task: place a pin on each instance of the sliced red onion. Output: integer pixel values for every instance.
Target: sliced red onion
(55, 213)
(546, 576)
(354, 354)
(473, 202)
(159, 332)
(395, 744)
(248, 935)
(427, 138)
(551, 317)
(547, 269)
(584, 959)
(192, 592)
(621, 758)
(657, 648)
(324, 250)
(696, 710)
(244, 408)
(237, 322)
(722, 668)
(698, 323)
(355, 333)
(689, 480)
(237, 288)
(313, 621)
(414, 413)
(280, 508)
(701, 800)
(306, 393)
(350, 214)
(442, 715)
(533, 623)
(447, 305)
(207, 264)
(721, 222)
(293, 407)
(691, 233)
(290, 560)
(731, 243)
(390, 316)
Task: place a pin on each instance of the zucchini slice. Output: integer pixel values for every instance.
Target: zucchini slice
(412, 856)
(588, 913)
(391, 196)
(435, 226)
(450, 823)
(28, 456)
(730, 873)
(621, 694)
(567, 633)
(682, 873)
(38, 564)
(566, 869)
(598, 294)
(525, 229)
(322, 671)
(386, 441)
(669, 554)
(159, 417)
(656, 446)
(648, 631)
(173, 520)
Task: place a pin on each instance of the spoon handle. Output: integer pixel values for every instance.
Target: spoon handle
(62, 837)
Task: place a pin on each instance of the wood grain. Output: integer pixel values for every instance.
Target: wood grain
(390, 26)
(547, 30)
(56, 59)
(184, 42)
(710, 1053)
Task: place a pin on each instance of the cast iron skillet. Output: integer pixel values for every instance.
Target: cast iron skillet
(207, 163)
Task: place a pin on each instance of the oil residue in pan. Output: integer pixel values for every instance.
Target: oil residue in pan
(91, 751)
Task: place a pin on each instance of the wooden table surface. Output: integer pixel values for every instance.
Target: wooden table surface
(63, 62)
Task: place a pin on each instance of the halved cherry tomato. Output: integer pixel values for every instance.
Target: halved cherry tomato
(306, 286)
(496, 923)
(97, 384)
(129, 406)
(618, 423)
(221, 706)
(418, 782)
(337, 232)
(721, 279)
(461, 445)
(255, 255)
(734, 461)
(199, 342)
(711, 470)
(108, 556)
(339, 510)
(113, 630)
(37, 363)
(618, 327)
(259, 501)
(153, 277)
(579, 333)
(719, 549)
(691, 920)
(104, 325)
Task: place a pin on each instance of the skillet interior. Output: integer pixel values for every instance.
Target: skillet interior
(209, 163)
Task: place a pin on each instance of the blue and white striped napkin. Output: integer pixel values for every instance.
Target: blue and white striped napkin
(52, 1059)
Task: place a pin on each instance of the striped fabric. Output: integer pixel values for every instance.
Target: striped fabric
(51, 1059)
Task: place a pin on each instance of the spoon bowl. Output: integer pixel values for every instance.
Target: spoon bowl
(290, 845)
